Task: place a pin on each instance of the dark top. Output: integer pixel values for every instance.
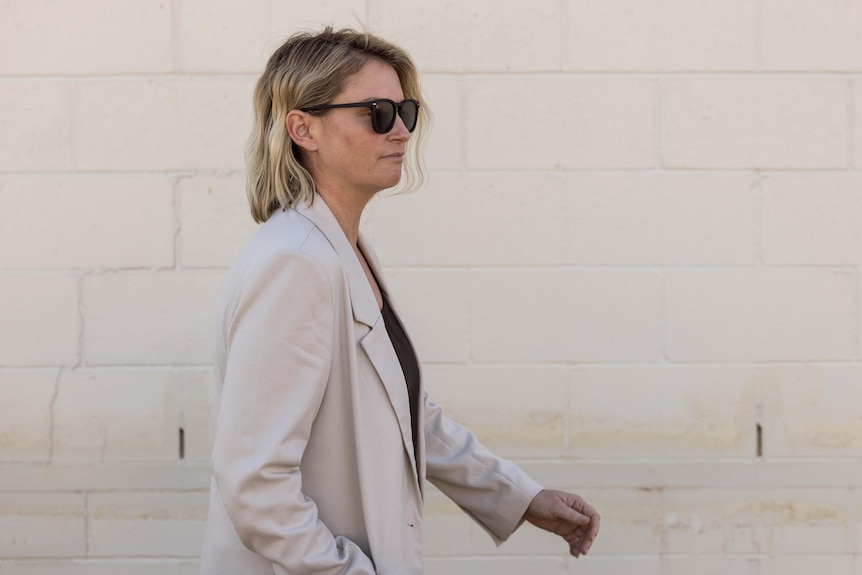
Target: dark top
(410, 367)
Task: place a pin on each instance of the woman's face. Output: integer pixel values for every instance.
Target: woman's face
(350, 155)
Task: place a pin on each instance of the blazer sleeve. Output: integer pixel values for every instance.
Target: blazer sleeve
(493, 491)
(279, 349)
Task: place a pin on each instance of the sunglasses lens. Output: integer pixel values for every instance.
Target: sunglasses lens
(383, 116)
(409, 112)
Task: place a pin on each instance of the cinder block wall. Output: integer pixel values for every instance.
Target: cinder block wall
(635, 269)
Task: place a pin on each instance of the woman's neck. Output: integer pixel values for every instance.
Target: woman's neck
(347, 210)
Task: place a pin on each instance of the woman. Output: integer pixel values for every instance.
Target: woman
(325, 436)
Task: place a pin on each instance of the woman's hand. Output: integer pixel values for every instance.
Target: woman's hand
(566, 515)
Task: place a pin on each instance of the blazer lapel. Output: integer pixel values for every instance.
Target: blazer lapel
(375, 343)
(406, 428)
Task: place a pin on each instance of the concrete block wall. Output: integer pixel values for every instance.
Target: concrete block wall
(635, 269)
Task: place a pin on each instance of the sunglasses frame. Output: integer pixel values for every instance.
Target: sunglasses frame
(373, 104)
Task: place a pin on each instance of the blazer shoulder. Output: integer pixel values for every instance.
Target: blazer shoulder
(289, 239)
(288, 233)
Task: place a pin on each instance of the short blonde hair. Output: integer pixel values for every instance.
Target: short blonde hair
(310, 69)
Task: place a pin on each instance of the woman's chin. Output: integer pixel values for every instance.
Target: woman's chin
(392, 182)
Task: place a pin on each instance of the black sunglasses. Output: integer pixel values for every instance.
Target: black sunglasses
(382, 112)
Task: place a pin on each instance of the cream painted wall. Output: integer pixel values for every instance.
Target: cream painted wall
(639, 245)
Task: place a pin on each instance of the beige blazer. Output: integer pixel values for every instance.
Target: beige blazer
(313, 466)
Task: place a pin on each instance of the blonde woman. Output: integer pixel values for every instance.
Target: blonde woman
(325, 436)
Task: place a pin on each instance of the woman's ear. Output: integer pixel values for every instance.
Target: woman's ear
(298, 124)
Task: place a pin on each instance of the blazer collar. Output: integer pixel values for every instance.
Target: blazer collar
(362, 298)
